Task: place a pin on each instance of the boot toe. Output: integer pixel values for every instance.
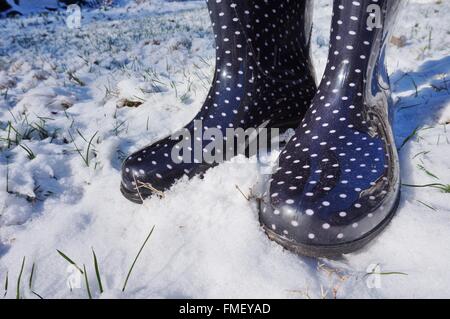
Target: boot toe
(149, 171)
(330, 204)
(136, 173)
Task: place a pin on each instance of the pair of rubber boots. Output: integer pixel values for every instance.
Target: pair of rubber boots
(337, 181)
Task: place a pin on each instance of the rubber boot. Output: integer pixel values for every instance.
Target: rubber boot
(263, 77)
(337, 182)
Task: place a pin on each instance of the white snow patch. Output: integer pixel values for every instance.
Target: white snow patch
(59, 91)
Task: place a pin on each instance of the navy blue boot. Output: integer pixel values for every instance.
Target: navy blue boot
(263, 77)
(337, 183)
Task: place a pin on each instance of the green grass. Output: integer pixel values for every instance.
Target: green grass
(421, 153)
(30, 282)
(422, 168)
(409, 137)
(97, 269)
(30, 153)
(74, 78)
(445, 188)
(88, 289)
(427, 205)
(389, 273)
(119, 127)
(85, 156)
(135, 259)
(19, 279)
(97, 272)
(69, 260)
(7, 175)
(5, 286)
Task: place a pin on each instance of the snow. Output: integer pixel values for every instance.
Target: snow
(61, 88)
(31, 6)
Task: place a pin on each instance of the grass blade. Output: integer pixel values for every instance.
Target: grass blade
(421, 153)
(445, 188)
(30, 283)
(422, 168)
(37, 295)
(135, 259)
(423, 186)
(427, 205)
(410, 136)
(19, 279)
(87, 282)
(69, 260)
(6, 285)
(30, 153)
(89, 148)
(97, 272)
(388, 273)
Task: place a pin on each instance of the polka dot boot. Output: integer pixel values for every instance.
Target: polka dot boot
(337, 182)
(263, 76)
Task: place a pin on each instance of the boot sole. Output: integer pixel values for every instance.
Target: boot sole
(131, 196)
(333, 251)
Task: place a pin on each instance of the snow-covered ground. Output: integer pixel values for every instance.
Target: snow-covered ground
(64, 131)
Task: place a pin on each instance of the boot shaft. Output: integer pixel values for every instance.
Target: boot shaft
(356, 64)
(359, 34)
(270, 37)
